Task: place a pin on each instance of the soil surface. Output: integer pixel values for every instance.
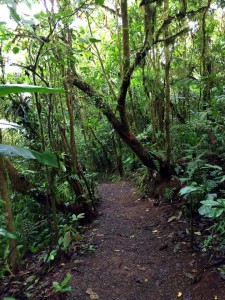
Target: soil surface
(136, 249)
(141, 252)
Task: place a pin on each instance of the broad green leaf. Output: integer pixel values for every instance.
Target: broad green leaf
(188, 189)
(67, 289)
(208, 166)
(211, 196)
(14, 14)
(10, 125)
(7, 234)
(42, 15)
(28, 3)
(63, 13)
(56, 286)
(72, 58)
(22, 88)
(99, 2)
(46, 157)
(211, 208)
(66, 280)
(8, 150)
(94, 40)
(218, 212)
(209, 203)
(221, 202)
(205, 210)
(83, 40)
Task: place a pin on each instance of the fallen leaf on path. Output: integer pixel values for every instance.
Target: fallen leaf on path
(176, 248)
(171, 235)
(192, 262)
(179, 294)
(89, 291)
(189, 275)
(78, 262)
(93, 295)
(141, 268)
(171, 219)
(99, 235)
(197, 233)
(179, 215)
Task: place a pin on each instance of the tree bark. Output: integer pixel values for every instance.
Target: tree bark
(14, 253)
(167, 92)
(126, 41)
(206, 64)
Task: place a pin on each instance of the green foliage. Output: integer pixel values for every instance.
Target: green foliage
(168, 193)
(212, 207)
(63, 286)
(22, 88)
(63, 190)
(69, 232)
(5, 124)
(99, 2)
(202, 178)
(46, 157)
(204, 195)
(7, 234)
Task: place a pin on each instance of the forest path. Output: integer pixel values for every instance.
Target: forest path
(138, 254)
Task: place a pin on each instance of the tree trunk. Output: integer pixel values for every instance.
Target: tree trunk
(148, 158)
(14, 253)
(126, 41)
(167, 92)
(206, 64)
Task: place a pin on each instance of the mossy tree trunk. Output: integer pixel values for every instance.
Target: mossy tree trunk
(4, 193)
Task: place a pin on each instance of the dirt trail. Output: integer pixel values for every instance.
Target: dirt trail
(137, 255)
